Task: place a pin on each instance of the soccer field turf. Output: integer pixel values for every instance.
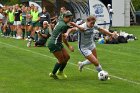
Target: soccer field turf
(25, 70)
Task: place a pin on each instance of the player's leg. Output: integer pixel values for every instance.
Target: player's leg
(28, 32)
(66, 59)
(98, 67)
(60, 58)
(14, 29)
(4, 29)
(40, 43)
(19, 30)
(91, 57)
(63, 65)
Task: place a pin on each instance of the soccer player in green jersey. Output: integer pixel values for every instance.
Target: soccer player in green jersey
(62, 11)
(56, 47)
(35, 22)
(11, 17)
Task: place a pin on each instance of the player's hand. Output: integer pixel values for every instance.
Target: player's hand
(65, 35)
(114, 35)
(71, 48)
(73, 24)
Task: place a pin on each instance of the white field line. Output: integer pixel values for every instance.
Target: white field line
(123, 79)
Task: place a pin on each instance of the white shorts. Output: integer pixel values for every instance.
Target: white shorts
(17, 23)
(86, 51)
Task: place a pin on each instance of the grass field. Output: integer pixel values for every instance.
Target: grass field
(25, 70)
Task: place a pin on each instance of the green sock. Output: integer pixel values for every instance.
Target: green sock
(14, 33)
(4, 33)
(23, 33)
(28, 33)
(63, 65)
(8, 31)
(36, 37)
(56, 67)
(11, 33)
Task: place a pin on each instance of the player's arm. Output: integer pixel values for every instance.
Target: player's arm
(67, 44)
(77, 26)
(43, 35)
(69, 31)
(104, 31)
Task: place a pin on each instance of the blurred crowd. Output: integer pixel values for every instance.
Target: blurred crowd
(25, 22)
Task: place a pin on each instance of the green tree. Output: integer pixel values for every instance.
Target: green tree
(10, 2)
(136, 4)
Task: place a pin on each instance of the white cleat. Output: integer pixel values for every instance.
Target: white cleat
(18, 37)
(29, 43)
(80, 65)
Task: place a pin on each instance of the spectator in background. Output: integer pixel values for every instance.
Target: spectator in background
(17, 22)
(62, 11)
(44, 16)
(1, 17)
(4, 23)
(110, 10)
(43, 35)
(23, 20)
(11, 16)
(35, 22)
(29, 22)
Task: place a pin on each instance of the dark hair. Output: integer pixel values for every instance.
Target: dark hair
(78, 19)
(91, 18)
(63, 8)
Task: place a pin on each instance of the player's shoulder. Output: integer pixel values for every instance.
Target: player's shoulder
(96, 26)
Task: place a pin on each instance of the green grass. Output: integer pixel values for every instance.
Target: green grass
(25, 70)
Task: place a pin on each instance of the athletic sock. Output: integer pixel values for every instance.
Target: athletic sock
(11, 33)
(99, 68)
(86, 62)
(36, 37)
(14, 33)
(56, 67)
(63, 65)
(28, 33)
(23, 33)
(4, 33)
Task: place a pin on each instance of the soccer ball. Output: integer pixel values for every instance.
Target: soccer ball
(103, 75)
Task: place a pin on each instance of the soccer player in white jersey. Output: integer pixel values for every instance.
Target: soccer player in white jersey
(86, 43)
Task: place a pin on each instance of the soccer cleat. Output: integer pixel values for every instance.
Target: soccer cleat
(80, 65)
(29, 42)
(18, 37)
(61, 75)
(53, 76)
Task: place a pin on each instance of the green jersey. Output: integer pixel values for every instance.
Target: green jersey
(46, 32)
(11, 16)
(60, 28)
(35, 16)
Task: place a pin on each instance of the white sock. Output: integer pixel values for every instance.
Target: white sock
(99, 68)
(86, 62)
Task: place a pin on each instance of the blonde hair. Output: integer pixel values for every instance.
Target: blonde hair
(91, 18)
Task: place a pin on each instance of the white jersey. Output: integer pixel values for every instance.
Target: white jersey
(85, 38)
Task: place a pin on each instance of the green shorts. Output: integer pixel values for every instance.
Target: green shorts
(11, 23)
(23, 23)
(29, 23)
(35, 24)
(55, 47)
